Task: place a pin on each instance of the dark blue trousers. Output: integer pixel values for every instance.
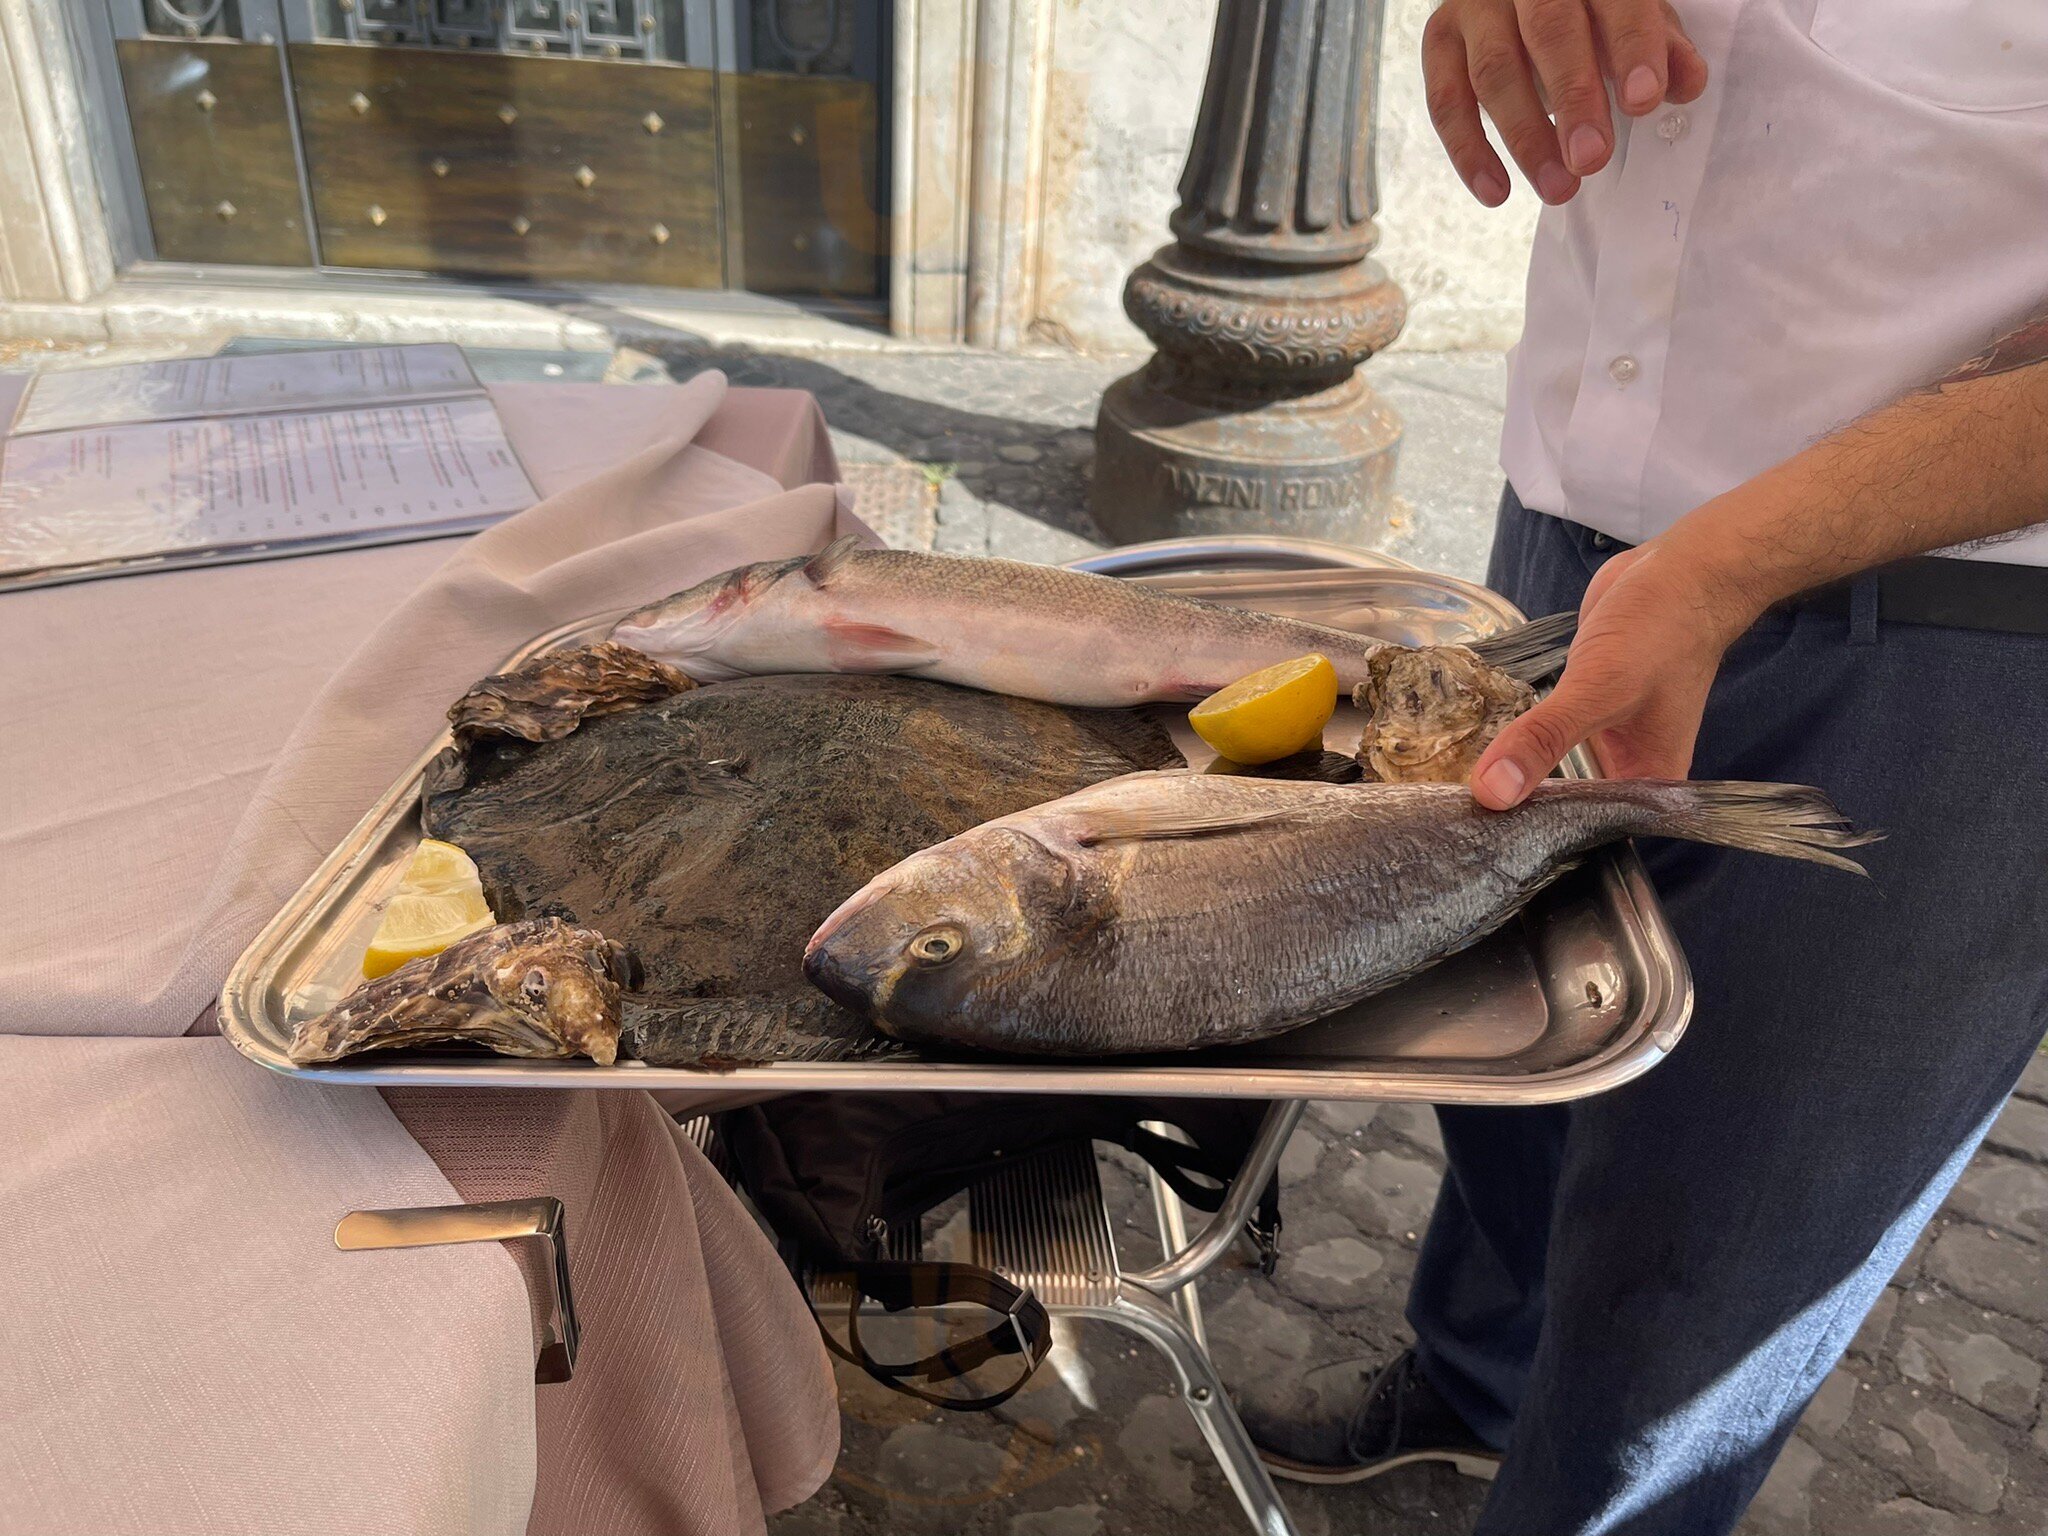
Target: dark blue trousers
(1635, 1295)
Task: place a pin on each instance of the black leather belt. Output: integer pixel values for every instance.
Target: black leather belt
(1960, 594)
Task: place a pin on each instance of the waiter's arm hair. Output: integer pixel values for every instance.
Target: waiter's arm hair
(1960, 462)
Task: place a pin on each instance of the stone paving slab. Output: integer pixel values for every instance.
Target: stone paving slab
(899, 501)
(1934, 1425)
(1012, 438)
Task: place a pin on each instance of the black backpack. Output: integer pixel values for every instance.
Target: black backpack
(833, 1173)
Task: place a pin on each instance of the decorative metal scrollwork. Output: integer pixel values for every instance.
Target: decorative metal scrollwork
(186, 18)
(576, 29)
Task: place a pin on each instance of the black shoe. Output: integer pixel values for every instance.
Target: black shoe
(1359, 1426)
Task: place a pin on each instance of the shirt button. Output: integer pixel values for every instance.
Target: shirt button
(1622, 370)
(1672, 126)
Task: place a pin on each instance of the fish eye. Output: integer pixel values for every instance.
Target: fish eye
(937, 945)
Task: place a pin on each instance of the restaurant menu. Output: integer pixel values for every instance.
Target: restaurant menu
(158, 465)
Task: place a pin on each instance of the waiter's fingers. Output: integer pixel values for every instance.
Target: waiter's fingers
(1502, 80)
(1532, 744)
(1454, 112)
(1559, 38)
(1638, 38)
(1687, 69)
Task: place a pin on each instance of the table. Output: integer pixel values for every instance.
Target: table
(184, 747)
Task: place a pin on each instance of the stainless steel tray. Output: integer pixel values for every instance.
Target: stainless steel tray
(1583, 992)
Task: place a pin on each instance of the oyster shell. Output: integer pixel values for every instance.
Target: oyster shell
(1431, 712)
(540, 988)
(548, 697)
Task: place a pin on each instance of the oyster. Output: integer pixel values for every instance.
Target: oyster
(1430, 712)
(536, 988)
(548, 697)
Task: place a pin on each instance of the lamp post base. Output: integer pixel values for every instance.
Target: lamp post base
(1177, 463)
(1252, 416)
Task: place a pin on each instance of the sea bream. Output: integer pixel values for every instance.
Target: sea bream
(1031, 631)
(1172, 910)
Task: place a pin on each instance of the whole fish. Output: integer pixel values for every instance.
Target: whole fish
(1171, 910)
(1032, 631)
(711, 831)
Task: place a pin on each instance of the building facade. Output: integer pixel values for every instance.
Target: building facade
(529, 172)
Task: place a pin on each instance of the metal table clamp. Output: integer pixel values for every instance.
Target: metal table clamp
(493, 1221)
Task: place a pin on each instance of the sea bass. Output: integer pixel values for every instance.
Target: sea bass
(1031, 631)
(1171, 910)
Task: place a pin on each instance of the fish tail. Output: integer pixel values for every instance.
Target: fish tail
(1532, 651)
(1789, 821)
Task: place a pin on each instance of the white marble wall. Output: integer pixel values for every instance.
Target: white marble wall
(1125, 77)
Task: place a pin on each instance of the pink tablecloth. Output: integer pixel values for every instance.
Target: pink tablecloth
(182, 749)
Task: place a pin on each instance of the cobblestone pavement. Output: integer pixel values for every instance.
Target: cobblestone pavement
(1933, 1426)
(1010, 439)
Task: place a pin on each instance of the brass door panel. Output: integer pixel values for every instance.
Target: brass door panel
(805, 216)
(487, 164)
(213, 141)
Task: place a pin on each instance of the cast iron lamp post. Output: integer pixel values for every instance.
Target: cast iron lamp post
(1252, 416)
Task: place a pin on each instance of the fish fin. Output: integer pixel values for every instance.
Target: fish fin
(1533, 650)
(718, 1032)
(1313, 765)
(746, 582)
(831, 560)
(1137, 824)
(1788, 821)
(856, 647)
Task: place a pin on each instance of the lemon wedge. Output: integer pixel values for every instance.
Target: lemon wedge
(1274, 713)
(439, 866)
(439, 900)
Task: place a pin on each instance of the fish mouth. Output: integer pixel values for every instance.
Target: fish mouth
(837, 968)
(864, 989)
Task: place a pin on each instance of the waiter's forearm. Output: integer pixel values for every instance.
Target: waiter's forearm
(1964, 459)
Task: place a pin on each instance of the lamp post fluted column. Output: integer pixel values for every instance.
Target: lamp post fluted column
(1252, 414)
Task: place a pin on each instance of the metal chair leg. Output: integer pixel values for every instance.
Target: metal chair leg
(1209, 1245)
(1173, 1236)
(1202, 1390)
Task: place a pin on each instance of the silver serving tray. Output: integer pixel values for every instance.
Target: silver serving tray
(1584, 991)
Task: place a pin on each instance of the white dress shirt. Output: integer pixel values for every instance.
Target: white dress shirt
(1857, 203)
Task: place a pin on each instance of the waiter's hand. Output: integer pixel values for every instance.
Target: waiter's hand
(1651, 636)
(1511, 56)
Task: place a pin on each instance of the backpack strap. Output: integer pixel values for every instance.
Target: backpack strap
(1025, 1328)
(1201, 1178)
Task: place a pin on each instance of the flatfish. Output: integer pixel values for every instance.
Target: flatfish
(712, 831)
